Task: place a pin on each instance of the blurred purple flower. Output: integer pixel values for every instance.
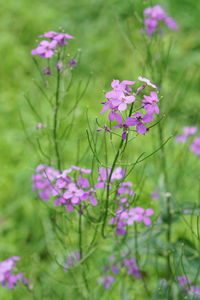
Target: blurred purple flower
(152, 17)
(7, 275)
(72, 63)
(47, 71)
(195, 147)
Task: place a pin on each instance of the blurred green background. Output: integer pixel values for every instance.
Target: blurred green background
(112, 46)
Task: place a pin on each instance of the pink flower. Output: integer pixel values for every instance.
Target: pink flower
(137, 120)
(147, 81)
(150, 103)
(45, 49)
(148, 212)
(73, 193)
(195, 147)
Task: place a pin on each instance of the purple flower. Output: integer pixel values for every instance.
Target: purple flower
(90, 195)
(195, 147)
(45, 49)
(43, 181)
(171, 23)
(47, 71)
(147, 81)
(150, 103)
(132, 267)
(120, 96)
(155, 195)
(106, 281)
(114, 115)
(125, 188)
(148, 212)
(7, 275)
(72, 63)
(189, 130)
(181, 138)
(72, 260)
(117, 174)
(183, 280)
(62, 38)
(73, 193)
(137, 120)
(134, 215)
(49, 34)
(153, 15)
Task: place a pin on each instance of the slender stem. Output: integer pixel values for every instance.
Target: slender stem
(137, 258)
(168, 206)
(81, 250)
(80, 235)
(55, 134)
(108, 188)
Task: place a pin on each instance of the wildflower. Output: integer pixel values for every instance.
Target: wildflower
(150, 103)
(181, 138)
(132, 267)
(73, 193)
(155, 195)
(72, 63)
(62, 38)
(125, 188)
(137, 120)
(106, 281)
(187, 285)
(120, 96)
(90, 195)
(47, 71)
(43, 181)
(153, 15)
(45, 49)
(148, 212)
(195, 147)
(7, 275)
(189, 130)
(117, 174)
(71, 260)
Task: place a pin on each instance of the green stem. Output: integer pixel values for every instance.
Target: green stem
(108, 188)
(55, 134)
(81, 251)
(168, 205)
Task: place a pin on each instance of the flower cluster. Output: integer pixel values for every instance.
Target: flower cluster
(153, 15)
(188, 286)
(126, 216)
(47, 48)
(118, 100)
(7, 275)
(71, 260)
(43, 181)
(115, 266)
(190, 131)
(104, 174)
